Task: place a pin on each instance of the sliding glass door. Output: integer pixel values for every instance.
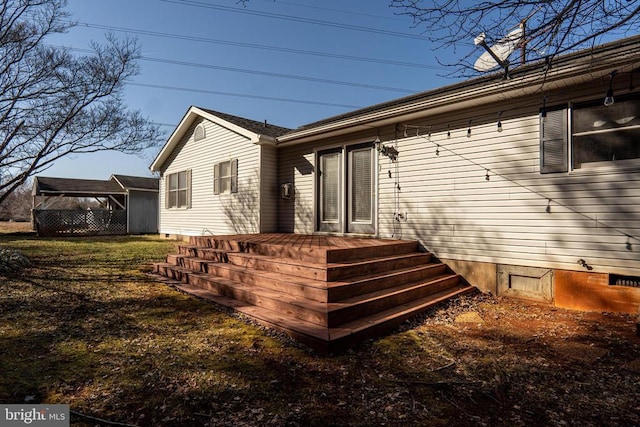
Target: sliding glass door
(346, 190)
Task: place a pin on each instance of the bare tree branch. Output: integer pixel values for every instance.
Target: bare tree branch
(551, 27)
(54, 104)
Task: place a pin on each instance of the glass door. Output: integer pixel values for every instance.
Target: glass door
(330, 191)
(346, 189)
(360, 189)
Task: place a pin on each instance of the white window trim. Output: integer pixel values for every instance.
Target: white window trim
(168, 191)
(602, 167)
(233, 177)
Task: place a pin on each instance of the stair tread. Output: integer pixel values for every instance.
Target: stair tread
(261, 313)
(329, 265)
(265, 292)
(290, 323)
(390, 291)
(406, 309)
(396, 272)
(288, 278)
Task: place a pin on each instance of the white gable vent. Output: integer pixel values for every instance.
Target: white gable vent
(199, 132)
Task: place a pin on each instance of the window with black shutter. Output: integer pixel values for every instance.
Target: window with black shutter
(553, 141)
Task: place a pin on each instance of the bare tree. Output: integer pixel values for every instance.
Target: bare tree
(551, 27)
(54, 103)
(17, 205)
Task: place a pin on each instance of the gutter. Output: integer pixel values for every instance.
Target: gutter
(570, 70)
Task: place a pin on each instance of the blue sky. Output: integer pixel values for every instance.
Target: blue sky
(262, 62)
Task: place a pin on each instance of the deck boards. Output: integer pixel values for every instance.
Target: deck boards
(327, 292)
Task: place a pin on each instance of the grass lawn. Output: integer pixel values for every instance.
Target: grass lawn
(85, 326)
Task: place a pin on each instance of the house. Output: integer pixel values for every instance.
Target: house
(128, 205)
(218, 175)
(526, 186)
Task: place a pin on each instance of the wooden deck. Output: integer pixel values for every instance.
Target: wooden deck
(325, 291)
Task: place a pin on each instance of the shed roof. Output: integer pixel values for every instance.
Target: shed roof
(73, 187)
(137, 182)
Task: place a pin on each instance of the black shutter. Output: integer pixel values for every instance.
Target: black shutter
(553, 141)
(234, 175)
(216, 178)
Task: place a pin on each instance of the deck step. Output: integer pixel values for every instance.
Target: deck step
(322, 249)
(330, 340)
(364, 305)
(328, 292)
(383, 322)
(329, 272)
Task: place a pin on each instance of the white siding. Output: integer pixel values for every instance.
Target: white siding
(269, 189)
(209, 213)
(296, 165)
(519, 216)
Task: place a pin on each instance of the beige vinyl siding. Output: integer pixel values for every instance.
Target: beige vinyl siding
(209, 213)
(269, 189)
(296, 165)
(519, 216)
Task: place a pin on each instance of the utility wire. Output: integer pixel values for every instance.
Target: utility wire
(258, 46)
(267, 98)
(296, 19)
(279, 75)
(266, 73)
(348, 12)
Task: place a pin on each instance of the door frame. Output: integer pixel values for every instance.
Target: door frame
(344, 184)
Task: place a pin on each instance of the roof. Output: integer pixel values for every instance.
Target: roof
(137, 182)
(563, 71)
(260, 128)
(254, 131)
(74, 187)
(118, 184)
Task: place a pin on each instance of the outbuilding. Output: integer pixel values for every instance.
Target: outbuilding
(127, 205)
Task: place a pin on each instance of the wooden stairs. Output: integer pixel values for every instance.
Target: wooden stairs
(326, 292)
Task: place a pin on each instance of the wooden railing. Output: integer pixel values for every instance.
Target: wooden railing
(68, 222)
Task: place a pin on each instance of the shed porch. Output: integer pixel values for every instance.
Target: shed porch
(328, 292)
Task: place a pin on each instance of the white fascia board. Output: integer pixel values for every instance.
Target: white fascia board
(173, 140)
(186, 122)
(457, 97)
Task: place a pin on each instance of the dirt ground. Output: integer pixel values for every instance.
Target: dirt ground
(512, 362)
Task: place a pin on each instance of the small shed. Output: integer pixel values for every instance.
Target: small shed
(126, 205)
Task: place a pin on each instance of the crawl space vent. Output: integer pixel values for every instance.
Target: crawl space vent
(630, 281)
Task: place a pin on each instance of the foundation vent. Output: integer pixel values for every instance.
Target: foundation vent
(629, 281)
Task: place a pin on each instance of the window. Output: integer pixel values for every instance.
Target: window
(225, 177)
(599, 136)
(606, 135)
(178, 190)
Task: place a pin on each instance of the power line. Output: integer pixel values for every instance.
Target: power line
(258, 46)
(278, 75)
(240, 95)
(296, 19)
(267, 73)
(349, 12)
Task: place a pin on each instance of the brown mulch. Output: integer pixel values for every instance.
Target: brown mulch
(521, 363)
